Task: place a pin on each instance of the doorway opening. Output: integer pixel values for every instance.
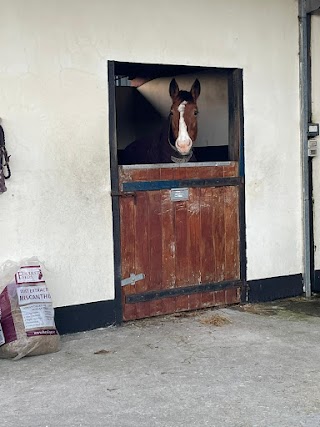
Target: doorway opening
(179, 229)
(142, 104)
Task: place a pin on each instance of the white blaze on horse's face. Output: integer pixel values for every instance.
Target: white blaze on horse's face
(183, 143)
(184, 111)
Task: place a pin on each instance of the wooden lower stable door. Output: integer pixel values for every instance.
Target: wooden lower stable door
(179, 227)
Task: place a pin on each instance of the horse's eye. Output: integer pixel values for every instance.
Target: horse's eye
(171, 113)
(196, 112)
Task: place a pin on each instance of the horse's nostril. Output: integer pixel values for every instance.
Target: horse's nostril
(184, 147)
(182, 144)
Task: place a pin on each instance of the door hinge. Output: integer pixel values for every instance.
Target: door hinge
(132, 279)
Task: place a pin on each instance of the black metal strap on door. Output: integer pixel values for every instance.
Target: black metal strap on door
(5, 171)
(186, 290)
(181, 183)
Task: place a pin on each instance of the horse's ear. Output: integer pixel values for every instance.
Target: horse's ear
(195, 89)
(173, 89)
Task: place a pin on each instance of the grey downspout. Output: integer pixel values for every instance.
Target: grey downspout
(304, 118)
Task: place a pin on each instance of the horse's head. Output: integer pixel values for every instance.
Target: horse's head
(184, 113)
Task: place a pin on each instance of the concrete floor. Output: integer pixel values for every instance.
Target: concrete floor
(246, 366)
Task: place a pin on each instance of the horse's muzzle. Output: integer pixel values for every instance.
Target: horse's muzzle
(184, 147)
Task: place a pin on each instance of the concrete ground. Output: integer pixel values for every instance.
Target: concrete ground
(252, 366)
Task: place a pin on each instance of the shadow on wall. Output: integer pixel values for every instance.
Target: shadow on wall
(136, 116)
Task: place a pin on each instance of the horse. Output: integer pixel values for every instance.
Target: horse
(174, 142)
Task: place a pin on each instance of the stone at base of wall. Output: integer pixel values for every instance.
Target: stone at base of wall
(85, 317)
(273, 288)
(316, 284)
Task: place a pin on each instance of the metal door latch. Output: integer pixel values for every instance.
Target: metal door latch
(132, 279)
(127, 194)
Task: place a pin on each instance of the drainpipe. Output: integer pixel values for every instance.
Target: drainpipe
(304, 119)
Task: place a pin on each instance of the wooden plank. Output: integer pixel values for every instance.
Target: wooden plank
(193, 247)
(208, 299)
(220, 298)
(194, 301)
(168, 241)
(155, 252)
(182, 303)
(168, 247)
(218, 232)
(142, 250)
(204, 172)
(193, 225)
(127, 227)
(167, 174)
(181, 239)
(124, 176)
(180, 183)
(232, 296)
(145, 174)
(206, 243)
(230, 170)
(168, 305)
(181, 243)
(232, 258)
(179, 172)
(136, 175)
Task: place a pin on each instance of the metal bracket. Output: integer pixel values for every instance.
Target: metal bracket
(132, 279)
(312, 147)
(313, 130)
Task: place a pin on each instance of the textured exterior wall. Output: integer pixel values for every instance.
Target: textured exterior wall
(54, 106)
(315, 52)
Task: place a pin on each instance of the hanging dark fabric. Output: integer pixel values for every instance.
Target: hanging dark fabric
(5, 172)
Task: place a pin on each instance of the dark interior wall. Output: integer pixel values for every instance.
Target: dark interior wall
(136, 117)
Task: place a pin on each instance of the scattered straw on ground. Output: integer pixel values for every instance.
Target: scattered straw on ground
(215, 320)
(259, 309)
(186, 314)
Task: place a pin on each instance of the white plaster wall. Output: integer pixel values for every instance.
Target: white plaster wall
(315, 52)
(53, 101)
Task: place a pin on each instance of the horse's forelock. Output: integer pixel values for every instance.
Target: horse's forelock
(184, 96)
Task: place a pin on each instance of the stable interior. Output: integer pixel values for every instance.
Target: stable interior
(143, 103)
